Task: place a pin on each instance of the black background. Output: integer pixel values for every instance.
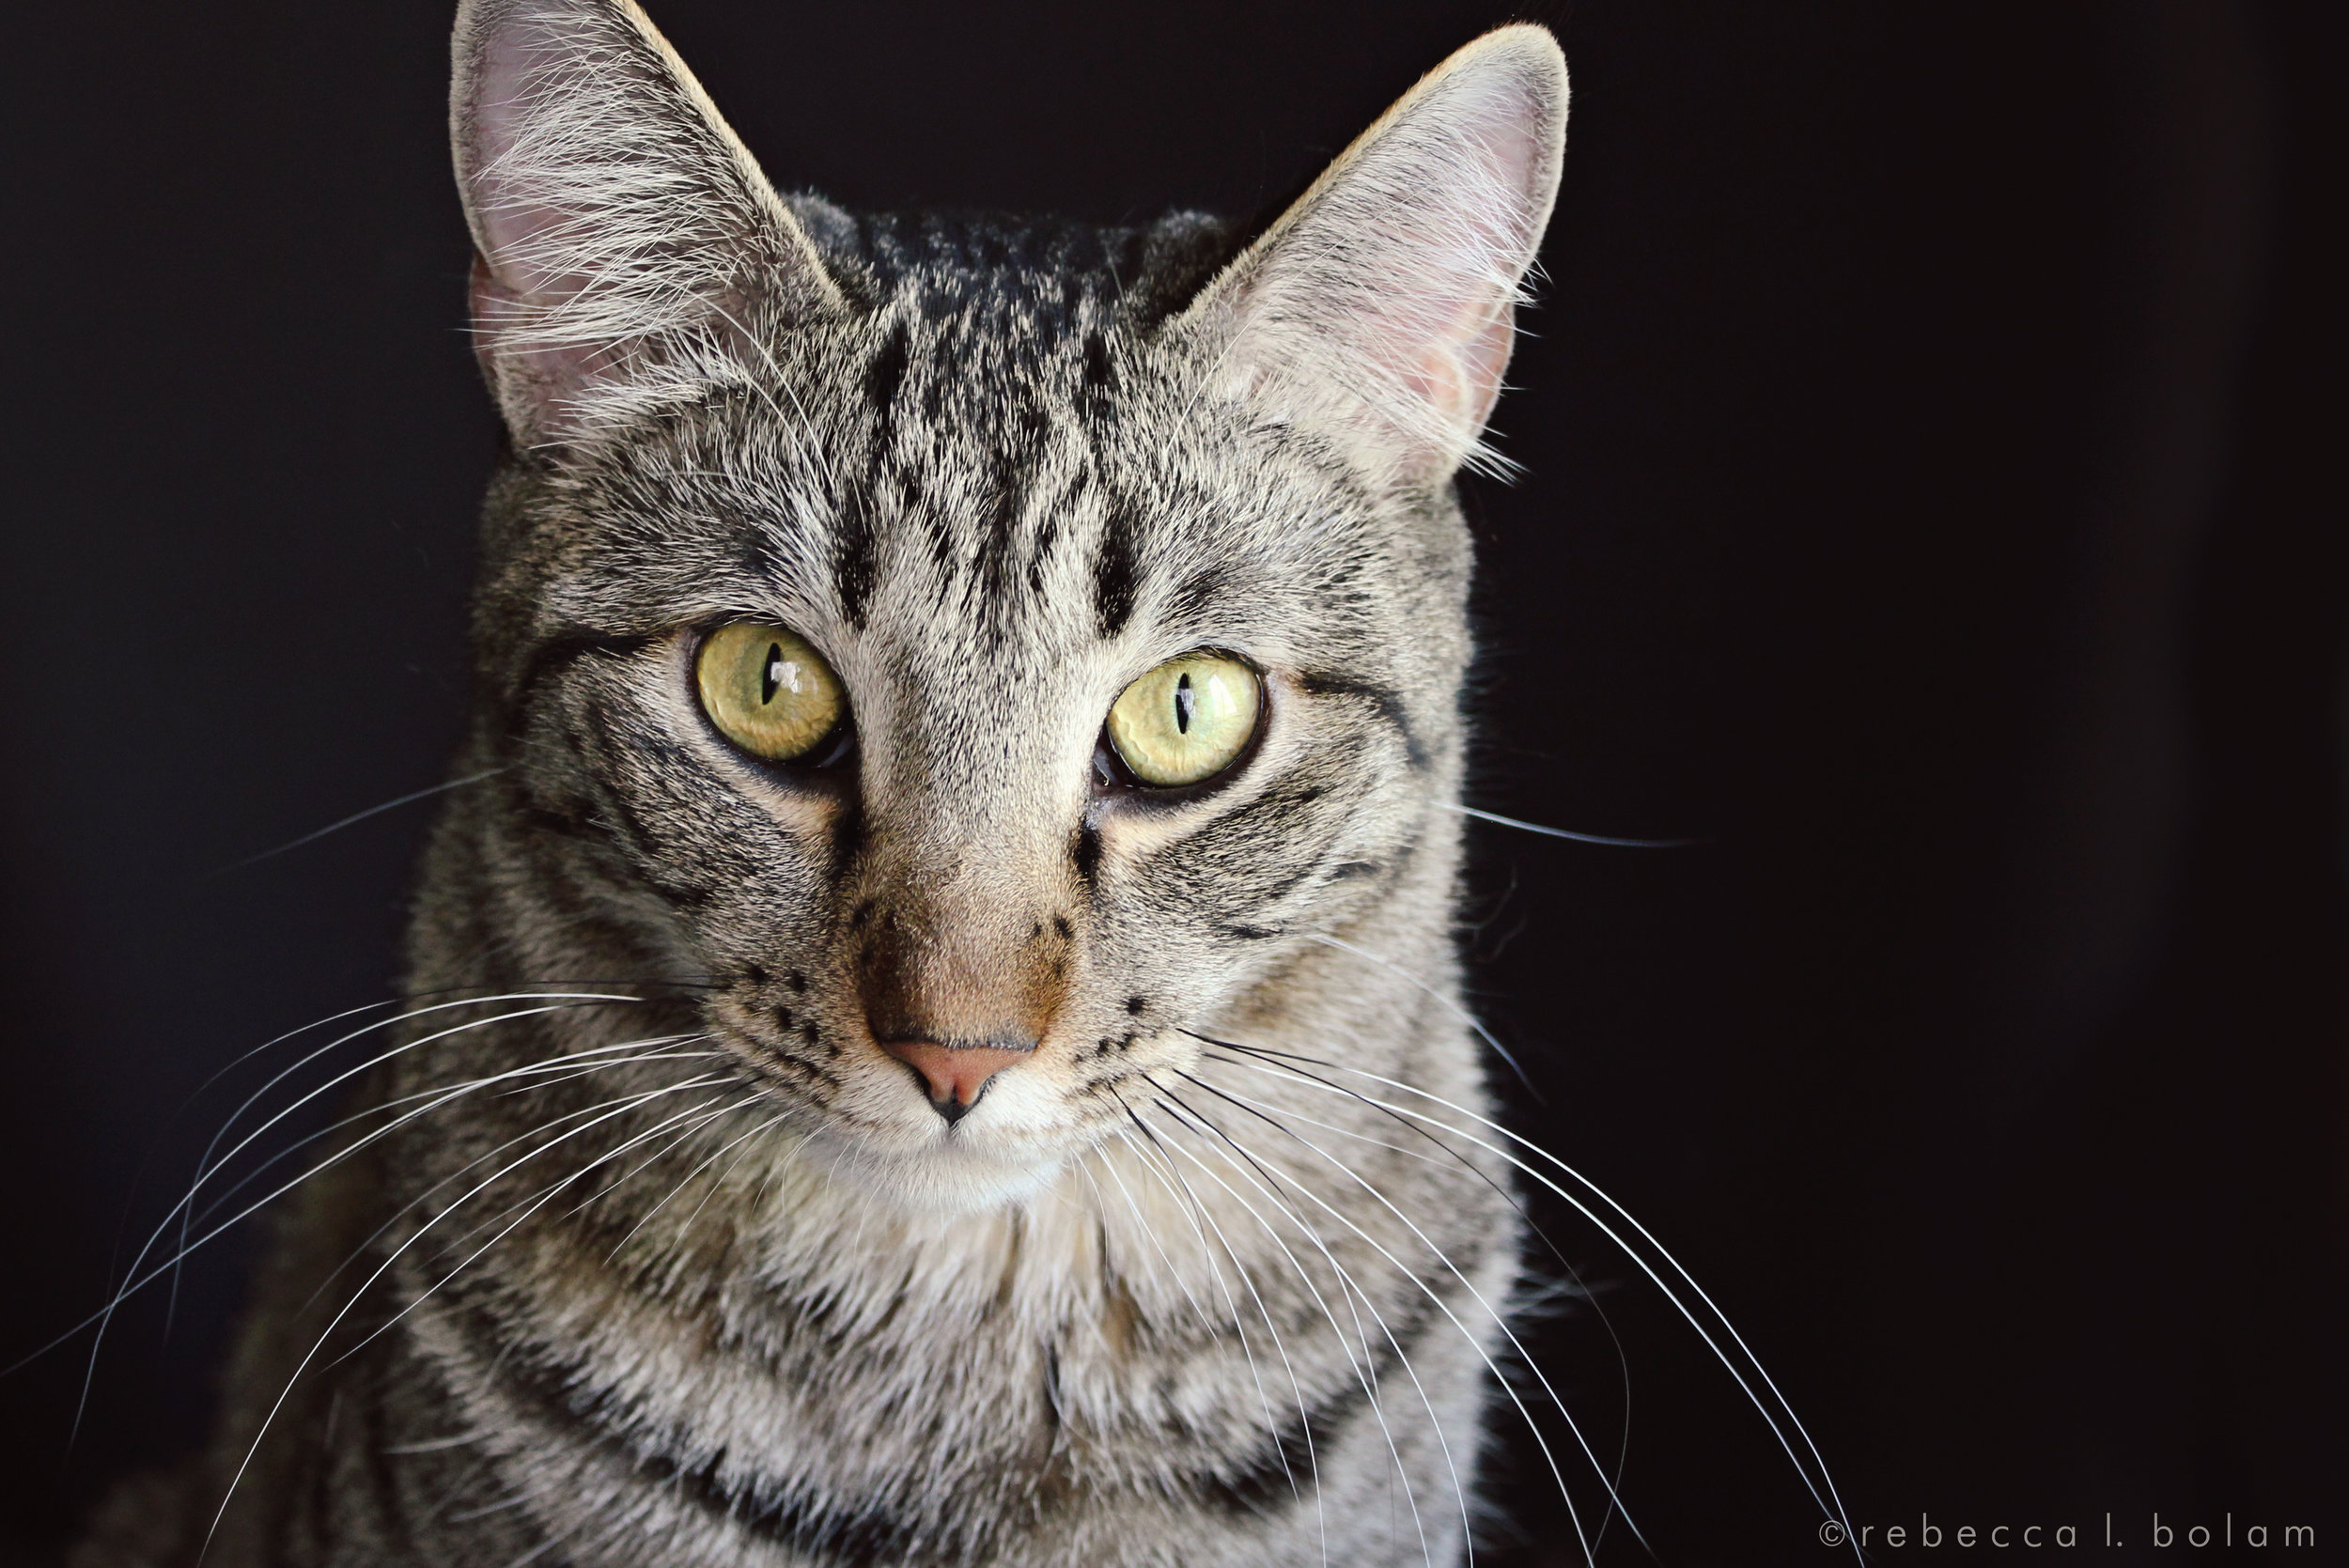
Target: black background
(1932, 429)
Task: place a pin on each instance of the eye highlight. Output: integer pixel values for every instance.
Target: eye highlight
(1186, 721)
(768, 691)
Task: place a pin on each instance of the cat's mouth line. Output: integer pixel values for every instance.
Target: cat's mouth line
(845, 1100)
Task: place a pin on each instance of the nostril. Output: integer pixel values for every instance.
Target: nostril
(953, 1075)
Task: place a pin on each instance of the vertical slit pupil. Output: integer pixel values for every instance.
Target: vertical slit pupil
(770, 678)
(1186, 704)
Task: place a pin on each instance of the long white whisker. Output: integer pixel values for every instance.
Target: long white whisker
(392, 1258)
(1609, 840)
(617, 1182)
(359, 816)
(459, 1175)
(1197, 1211)
(441, 1094)
(1501, 1320)
(1452, 1007)
(1149, 1231)
(207, 1165)
(1288, 1113)
(1831, 1504)
(1185, 1114)
(1363, 1367)
(695, 1117)
(103, 1317)
(768, 1125)
(687, 1179)
(1312, 1460)
(260, 1203)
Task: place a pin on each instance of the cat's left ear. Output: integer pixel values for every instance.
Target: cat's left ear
(627, 246)
(1380, 308)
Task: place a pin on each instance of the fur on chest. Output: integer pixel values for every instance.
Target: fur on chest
(784, 1362)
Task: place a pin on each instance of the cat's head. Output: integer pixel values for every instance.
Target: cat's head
(984, 651)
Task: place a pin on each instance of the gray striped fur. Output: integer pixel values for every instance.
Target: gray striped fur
(1151, 1301)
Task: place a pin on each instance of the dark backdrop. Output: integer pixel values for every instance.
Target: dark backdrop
(1931, 505)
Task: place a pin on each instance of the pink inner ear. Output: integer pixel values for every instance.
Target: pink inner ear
(1459, 376)
(498, 314)
(1486, 357)
(1383, 304)
(626, 237)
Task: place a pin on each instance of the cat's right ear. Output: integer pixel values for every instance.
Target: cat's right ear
(625, 245)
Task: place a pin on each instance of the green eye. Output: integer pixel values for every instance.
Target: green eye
(773, 694)
(1186, 719)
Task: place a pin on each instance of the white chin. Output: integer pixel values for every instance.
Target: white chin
(951, 1175)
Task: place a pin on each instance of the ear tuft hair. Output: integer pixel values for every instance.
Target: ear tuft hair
(624, 236)
(1380, 308)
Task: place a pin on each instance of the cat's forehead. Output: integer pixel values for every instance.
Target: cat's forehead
(989, 461)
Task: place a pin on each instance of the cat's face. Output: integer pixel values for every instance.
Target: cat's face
(983, 481)
(987, 564)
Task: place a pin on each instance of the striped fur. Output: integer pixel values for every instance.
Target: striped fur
(1152, 1301)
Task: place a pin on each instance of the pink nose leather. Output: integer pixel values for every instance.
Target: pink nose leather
(954, 1075)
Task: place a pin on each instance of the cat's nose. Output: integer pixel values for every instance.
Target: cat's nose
(955, 1076)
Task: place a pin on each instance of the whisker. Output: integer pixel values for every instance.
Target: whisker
(1363, 1367)
(1831, 1504)
(392, 1258)
(1312, 1461)
(1357, 1365)
(1150, 1232)
(104, 1316)
(208, 1166)
(171, 1308)
(443, 1093)
(459, 1175)
(354, 818)
(1198, 1211)
(768, 1125)
(698, 1117)
(694, 1118)
(134, 1286)
(617, 1182)
(1499, 1320)
(1455, 1008)
(1613, 842)
(687, 1179)
(1623, 1360)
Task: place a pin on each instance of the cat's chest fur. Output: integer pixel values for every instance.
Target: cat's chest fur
(1153, 1361)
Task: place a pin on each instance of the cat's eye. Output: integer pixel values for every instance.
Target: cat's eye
(769, 691)
(1186, 721)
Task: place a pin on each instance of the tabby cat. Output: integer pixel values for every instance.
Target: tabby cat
(933, 1033)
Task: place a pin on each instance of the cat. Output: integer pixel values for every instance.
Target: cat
(932, 1031)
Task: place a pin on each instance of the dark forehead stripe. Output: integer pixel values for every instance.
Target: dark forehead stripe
(855, 545)
(1016, 325)
(1116, 575)
(1025, 431)
(883, 378)
(1032, 277)
(855, 557)
(1098, 384)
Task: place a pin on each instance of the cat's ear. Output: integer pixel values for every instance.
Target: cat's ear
(623, 238)
(1379, 307)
